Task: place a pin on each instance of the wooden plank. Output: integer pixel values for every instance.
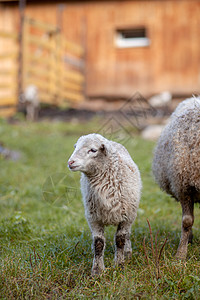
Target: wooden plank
(38, 82)
(72, 86)
(42, 84)
(9, 35)
(25, 52)
(74, 48)
(34, 40)
(8, 100)
(47, 98)
(9, 55)
(38, 60)
(10, 86)
(74, 76)
(38, 72)
(58, 100)
(48, 82)
(71, 96)
(41, 25)
(8, 72)
(73, 61)
(60, 66)
(7, 112)
(53, 66)
(47, 88)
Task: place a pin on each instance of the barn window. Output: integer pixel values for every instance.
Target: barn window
(132, 37)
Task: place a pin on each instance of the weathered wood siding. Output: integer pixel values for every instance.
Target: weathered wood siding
(171, 62)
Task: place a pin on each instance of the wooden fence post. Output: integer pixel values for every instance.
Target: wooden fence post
(22, 5)
(25, 51)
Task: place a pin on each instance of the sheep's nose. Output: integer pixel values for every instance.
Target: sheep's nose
(71, 162)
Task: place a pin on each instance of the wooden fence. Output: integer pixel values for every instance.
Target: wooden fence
(50, 62)
(8, 73)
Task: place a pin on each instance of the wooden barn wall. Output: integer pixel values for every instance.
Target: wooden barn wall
(171, 62)
(8, 45)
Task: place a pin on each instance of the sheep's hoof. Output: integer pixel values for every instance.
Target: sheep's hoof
(128, 255)
(96, 271)
(120, 264)
(181, 256)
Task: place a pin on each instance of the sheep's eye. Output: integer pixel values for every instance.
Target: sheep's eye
(92, 150)
(75, 146)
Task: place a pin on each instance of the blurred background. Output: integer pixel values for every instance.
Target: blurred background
(70, 68)
(95, 54)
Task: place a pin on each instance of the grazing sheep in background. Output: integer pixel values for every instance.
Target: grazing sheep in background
(111, 188)
(160, 100)
(31, 100)
(176, 164)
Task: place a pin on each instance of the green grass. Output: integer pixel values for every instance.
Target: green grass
(45, 247)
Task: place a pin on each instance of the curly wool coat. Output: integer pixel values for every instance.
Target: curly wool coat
(111, 195)
(176, 164)
(111, 188)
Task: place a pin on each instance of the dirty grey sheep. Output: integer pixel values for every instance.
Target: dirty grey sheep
(111, 188)
(176, 164)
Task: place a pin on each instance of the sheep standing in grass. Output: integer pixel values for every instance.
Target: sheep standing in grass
(176, 164)
(111, 187)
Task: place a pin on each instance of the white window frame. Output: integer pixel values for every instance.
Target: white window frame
(130, 42)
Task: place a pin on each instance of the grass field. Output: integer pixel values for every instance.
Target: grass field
(45, 242)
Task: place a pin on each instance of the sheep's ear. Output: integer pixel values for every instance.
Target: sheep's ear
(103, 149)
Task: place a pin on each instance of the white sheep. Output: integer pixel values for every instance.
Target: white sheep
(111, 188)
(160, 100)
(176, 164)
(31, 100)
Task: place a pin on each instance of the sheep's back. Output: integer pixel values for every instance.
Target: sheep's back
(176, 164)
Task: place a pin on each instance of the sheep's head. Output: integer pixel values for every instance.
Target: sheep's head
(89, 154)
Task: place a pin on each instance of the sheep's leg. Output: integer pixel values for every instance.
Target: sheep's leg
(190, 237)
(122, 243)
(127, 247)
(187, 222)
(99, 246)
